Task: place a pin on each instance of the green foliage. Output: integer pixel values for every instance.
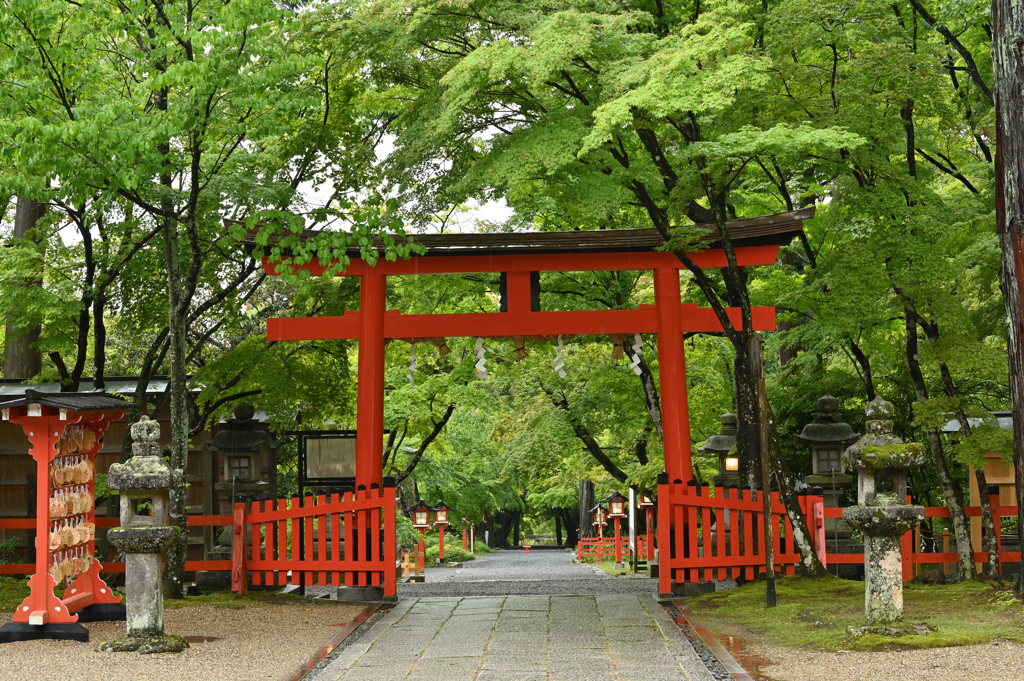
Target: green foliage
(8, 547)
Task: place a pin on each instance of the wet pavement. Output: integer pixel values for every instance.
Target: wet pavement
(611, 637)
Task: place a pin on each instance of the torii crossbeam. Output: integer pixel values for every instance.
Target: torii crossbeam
(756, 242)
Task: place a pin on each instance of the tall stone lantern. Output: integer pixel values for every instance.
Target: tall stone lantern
(241, 447)
(883, 517)
(827, 436)
(723, 445)
(144, 482)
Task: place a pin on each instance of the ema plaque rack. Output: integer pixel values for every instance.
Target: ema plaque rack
(65, 432)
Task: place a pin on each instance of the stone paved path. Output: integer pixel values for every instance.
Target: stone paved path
(512, 571)
(617, 637)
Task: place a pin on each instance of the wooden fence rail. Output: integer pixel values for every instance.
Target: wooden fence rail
(596, 547)
(341, 539)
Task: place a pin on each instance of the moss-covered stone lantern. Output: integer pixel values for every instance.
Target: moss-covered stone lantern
(883, 517)
(144, 483)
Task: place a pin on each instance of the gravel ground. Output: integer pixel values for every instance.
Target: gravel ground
(1003, 660)
(254, 642)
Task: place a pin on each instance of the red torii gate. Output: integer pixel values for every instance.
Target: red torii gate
(756, 242)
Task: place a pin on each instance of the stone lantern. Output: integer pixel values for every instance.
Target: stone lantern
(241, 449)
(724, 445)
(144, 483)
(883, 517)
(827, 436)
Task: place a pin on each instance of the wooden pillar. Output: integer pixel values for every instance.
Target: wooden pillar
(370, 392)
(672, 375)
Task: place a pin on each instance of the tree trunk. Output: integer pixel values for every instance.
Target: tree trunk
(586, 503)
(745, 404)
(810, 564)
(21, 358)
(176, 553)
(1008, 73)
(951, 492)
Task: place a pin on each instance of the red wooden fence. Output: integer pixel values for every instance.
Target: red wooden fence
(718, 537)
(333, 541)
(291, 536)
(190, 566)
(912, 554)
(597, 547)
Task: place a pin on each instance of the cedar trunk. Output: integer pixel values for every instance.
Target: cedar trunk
(586, 503)
(21, 358)
(1008, 73)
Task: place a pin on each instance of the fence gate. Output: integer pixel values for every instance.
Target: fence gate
(343, 539)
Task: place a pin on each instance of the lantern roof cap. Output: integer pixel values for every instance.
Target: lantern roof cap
(724, 440)
(420, 504)
(826, 427)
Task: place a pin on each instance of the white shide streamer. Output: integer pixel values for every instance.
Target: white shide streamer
(559, 363)
(412, 366)
(481, 361)
(638, 354)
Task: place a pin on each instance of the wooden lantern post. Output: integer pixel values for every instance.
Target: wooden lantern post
(617, 510)
(441, 512)
(420, 513)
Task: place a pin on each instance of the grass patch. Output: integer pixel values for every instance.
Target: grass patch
(249, 599)
(12, 592)
(964, 614)
(608, 566)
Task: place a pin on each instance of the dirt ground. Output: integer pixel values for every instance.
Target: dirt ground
(245, 644)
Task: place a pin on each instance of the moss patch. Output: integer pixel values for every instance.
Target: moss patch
(249, 599)
(12, 592)
(964, 614)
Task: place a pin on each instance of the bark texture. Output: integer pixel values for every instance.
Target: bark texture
(1008, 72)
(21, 359)
(951, 492)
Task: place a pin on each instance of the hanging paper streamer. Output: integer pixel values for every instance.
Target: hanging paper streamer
(412, 366)
(559, 363)
(481, 370)
(638, 354)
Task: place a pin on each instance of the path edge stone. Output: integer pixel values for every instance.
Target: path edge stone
(351, 654)
(681, 649)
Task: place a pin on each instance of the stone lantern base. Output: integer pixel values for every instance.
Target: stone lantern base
(144, 645)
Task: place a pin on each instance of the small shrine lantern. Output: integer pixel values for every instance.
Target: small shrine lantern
(724, 445)
(616, 505)
(143, 537)
(441, 514)
(420, 514)
(644, 501)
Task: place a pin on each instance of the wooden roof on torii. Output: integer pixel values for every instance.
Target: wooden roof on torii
(755, 240)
